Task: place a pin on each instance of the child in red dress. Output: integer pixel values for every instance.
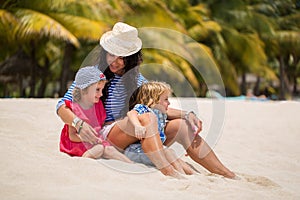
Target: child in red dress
(88, 108)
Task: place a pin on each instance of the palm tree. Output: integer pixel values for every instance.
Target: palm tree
(176, 28)
(284, 42)
(238, 47)
(38, 23)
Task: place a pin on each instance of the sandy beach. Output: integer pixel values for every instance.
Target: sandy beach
(259, 141)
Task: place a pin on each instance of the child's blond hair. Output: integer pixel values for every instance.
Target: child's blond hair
(149, 93)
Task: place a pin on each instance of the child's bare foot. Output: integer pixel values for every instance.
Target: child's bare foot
(187, 169)
(170, 171)
(95, 152)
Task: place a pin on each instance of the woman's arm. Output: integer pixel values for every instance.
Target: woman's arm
(191, 117)
(66, 114)
(175, 113)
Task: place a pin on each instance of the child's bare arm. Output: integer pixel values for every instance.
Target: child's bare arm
(73, 135)
(139, 130)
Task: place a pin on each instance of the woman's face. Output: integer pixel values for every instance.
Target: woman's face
(116, 64)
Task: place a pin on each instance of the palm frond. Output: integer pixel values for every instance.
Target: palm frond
(288, 41)
(35, 24)
(262, 24)
(45, 5)
(246, 50)
(7, 23)
(81, 27)
(153, 14)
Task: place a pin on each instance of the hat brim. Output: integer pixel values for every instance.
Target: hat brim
(118, 46)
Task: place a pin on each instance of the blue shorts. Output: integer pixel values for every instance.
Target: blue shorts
(136, 154)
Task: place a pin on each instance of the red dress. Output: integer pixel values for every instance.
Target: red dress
(94, 116)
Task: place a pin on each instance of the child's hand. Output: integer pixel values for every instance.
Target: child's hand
(140, 131)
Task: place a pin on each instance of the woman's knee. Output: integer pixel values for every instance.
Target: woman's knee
(177, 129)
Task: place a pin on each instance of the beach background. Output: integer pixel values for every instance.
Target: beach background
(259, 141)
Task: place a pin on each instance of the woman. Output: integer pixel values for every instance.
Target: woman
(119, 59)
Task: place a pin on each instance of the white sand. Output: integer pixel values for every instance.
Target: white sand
(260, 142)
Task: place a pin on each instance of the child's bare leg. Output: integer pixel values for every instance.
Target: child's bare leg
(177, 163)
(159, 159)
(171, 157)
(95, 152)
(187, 169)
(111, 152)
(153, 146)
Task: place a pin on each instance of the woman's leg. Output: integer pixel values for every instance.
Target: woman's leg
(180, 131)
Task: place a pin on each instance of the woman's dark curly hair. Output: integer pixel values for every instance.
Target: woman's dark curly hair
(129, 79)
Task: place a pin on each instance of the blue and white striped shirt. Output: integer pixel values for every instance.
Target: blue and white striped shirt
(115, 102)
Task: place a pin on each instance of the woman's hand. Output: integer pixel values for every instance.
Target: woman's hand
(86, 133)
(194, 121)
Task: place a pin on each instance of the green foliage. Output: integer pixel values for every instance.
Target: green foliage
(235, 36)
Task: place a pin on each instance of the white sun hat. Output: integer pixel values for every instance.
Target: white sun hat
(86, 76)
(122, 40)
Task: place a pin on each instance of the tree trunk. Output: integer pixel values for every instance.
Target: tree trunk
(20, 83)
(281, 78)
(295, 75)
(33, 69)
(243, 84)
(45, 73)
(295, 89)
(67, 59)
(256, 87)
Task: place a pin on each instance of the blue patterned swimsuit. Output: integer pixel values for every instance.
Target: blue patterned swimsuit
(134, 151)
(161, 118)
